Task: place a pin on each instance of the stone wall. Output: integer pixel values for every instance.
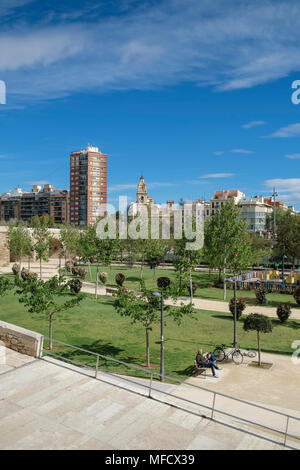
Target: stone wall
(21, 340)
(4, 252)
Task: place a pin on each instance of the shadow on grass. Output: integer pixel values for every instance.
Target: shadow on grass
(105, 349)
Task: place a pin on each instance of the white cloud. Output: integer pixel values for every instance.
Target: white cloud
(242, 151)
(293, 156)
(218, 175)
(219, 152)
(288, 189)
(123, 187)
(251, 124)
(293, 130)
(38, 182)
(237, 45)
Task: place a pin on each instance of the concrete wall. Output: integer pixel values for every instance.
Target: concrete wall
(4, 252)
(21, 340)
(5, 257)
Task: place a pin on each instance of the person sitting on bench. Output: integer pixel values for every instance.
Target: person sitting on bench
(203, 361)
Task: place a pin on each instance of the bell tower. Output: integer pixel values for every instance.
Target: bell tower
(141, 195)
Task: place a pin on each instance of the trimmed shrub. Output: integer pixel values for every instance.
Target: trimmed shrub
(163, 282)
(26, 274)
(74, 270)
(103, 277)
(283, 312)
(261, 295)
(16, 269)
(69, 266)
(120, 279)
(297, 295)
(75, 286)
(240, 307)
(81, 272)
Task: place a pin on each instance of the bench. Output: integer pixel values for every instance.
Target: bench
(199, 370)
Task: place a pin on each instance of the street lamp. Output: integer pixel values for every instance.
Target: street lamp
(162, 364)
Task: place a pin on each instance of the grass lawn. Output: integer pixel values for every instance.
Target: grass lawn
(94, 325)
(203, 279)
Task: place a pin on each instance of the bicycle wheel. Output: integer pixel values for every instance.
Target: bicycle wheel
(219, 354)
(237, 357)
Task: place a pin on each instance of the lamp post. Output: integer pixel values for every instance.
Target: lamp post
(162, 363)
(235, 310)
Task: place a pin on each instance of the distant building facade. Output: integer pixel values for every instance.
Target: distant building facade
(25, 205)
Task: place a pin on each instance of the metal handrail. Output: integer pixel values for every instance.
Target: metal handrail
(173, 379)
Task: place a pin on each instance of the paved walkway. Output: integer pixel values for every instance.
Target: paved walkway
(51, 269)
(51, 405)
(206, 304)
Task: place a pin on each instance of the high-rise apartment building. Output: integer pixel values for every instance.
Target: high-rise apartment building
(25, 205)
(88, 185)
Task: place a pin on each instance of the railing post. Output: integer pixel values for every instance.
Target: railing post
(97, 365)
(286, 430)
(150, 385)
(213, 407)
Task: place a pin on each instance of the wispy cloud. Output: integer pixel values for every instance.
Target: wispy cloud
(133, 186)
(292, 130)
(38, 182)
(218, 152)
(217, 175)
(152, 45)
(245, 151)
(293, 156)
(251, 124)
(288, 189)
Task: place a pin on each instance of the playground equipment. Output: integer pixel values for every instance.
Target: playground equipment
(270, 279)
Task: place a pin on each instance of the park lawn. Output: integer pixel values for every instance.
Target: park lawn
(94, 325)
(203, 279)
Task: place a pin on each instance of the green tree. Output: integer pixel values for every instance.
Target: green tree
(40, 296)
(145, 309)
(6, 285)
(19, 242)
(42, 243)
(45, 220)
(154, 253)
(227, 243)
(185, 262)
(287, 237)
(260, 324)
(70, 237)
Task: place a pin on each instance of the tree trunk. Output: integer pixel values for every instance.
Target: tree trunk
(40, 268)
(147, 347)
(50, 330)
(191, 289)
(96, 285)
(224, 281)
(258, 346)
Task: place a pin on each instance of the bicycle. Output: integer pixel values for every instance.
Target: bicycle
(221, 354)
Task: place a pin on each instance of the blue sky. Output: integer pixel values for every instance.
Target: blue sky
(195, 97)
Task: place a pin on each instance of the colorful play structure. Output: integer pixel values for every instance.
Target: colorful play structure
(270, 279)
